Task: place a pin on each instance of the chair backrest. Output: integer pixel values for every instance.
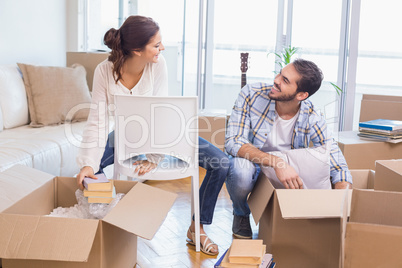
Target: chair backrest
(159, 125)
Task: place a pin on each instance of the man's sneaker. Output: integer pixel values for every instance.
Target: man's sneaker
(241, 227)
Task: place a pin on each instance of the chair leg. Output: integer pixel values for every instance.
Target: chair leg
(195, 208)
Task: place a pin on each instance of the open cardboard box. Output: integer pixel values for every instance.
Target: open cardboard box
(301, 228)
(28, 238)
(374, 231)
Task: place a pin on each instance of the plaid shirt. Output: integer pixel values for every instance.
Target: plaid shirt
(252, 119)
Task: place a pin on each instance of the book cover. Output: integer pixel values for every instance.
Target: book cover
(101, 184)
(246, 251)
(102, 199)
(384, 124)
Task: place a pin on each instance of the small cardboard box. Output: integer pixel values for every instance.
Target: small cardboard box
(87, 59)
(362, 154)
(388, 175)
(301, 228)
(29, 238)
(212, 127)
(374, 232)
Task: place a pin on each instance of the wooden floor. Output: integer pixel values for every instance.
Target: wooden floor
(168, 248)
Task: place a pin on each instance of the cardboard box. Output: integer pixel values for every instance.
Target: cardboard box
(374, 232)
(388, 175)
(380, 107)
(28, 238)
(87, 59)
(301, 228)
(362, 154)
(212, 127)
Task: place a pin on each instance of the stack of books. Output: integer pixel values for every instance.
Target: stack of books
(99, 191)
(381, 130)
(246, 253)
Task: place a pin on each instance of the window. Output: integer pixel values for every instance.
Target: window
(231, 27)
(379, 62)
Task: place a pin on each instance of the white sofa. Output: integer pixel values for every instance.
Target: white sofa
(51, 148)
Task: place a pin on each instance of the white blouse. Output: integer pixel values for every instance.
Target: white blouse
(153, 82)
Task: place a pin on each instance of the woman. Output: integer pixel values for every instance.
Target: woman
(135, 66)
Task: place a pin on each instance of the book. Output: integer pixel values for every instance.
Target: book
(101, 199)
(383, 124)
(218, 263)
(266, 261)
(101, 184)
(225, 263)
(397, 132)
(249, 251)
(88, 193)
(376, 137)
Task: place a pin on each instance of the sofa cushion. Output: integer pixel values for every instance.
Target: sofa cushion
(13, 99)
(56, 95)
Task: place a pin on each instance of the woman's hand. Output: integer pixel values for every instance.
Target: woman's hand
(144, 166)
(85, 172)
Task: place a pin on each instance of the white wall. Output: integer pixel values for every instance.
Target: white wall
(33, 31)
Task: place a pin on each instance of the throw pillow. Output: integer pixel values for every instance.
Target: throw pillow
(13, 98)
(312, 165)
(56, 95)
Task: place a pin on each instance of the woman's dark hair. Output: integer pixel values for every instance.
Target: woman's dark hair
(134, 34)
(311, 76)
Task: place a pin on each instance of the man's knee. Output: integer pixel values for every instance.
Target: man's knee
(241, 171)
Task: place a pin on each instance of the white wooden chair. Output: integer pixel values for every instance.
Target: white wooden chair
(159, 125)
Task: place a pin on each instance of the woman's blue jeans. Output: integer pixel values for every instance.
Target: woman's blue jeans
(210, 157)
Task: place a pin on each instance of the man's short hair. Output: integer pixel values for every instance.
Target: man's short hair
(311, 76)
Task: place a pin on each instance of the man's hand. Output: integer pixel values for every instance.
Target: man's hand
(343, 185)
(288, 176)
(144, 166)
(85, 172)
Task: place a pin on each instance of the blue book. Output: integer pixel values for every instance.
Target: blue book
(218, 263)
(383, 124)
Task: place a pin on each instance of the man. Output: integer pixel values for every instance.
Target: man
(275, 118)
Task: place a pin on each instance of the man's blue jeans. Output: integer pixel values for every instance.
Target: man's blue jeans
(210, 157)
(240, 182)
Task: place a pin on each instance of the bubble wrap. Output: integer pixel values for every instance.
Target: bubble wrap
(85, 210)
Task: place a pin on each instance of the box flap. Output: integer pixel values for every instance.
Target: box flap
(260, 196)
(46, 238)
(302, 204)
(362, 178)
(370, 245)
(377, 207)
(388, 175)
(19, 181)
(142, 210)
